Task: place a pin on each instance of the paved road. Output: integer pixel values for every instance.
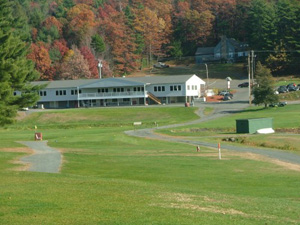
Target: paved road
(45, 159)
(221, 109)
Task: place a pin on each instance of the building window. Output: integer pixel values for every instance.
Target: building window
(60, 92)
(43, 93)
(159, 88)
(74, 92)
(188, 87)
(155, 88)
(171, 88)
(179, 87)
(163, 88)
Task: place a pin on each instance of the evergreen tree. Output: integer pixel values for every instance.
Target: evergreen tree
(263, 92)
(98, 44)
(294, 41)
(16, 71)
(285, 17)
(260, 25)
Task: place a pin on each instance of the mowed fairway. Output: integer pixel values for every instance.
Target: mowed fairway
(110, 178)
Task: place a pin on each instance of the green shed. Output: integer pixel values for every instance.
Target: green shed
(252, 125)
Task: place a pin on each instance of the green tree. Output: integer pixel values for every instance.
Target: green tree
(48, 35)
(175, 50)
(285, 17)
(260, 25)
(98, 44)
(16, 71)
(263, 92)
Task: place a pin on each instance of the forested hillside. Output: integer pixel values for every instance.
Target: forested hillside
(68, 37)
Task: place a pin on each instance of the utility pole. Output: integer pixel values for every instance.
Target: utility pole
(252, 66)
(249, 79)
(206, 76)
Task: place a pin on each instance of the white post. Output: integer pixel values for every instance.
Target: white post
(99, 67)
(219, 147)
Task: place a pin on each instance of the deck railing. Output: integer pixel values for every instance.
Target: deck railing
(125, 94)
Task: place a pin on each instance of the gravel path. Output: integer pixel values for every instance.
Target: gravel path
(221, 109)
(45, 159)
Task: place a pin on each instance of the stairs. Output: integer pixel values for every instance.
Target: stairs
(154, 98)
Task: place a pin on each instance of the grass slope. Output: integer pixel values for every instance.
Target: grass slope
(286, 122)
(110, 178)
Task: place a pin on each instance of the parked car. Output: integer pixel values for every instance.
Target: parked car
(282, 89)
(224, 92)
(229, 95)
(292, 87)
(245, 84)
(161, 65)
(291, 84)
(280, 104)
(226, 97)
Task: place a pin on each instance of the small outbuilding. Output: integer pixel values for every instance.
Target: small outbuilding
(251, 126)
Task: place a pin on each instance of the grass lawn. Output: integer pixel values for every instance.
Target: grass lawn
(110, 178)
(286, 120)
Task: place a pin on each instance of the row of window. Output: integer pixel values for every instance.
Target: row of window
(103, 90)
(61, 92)
(138, 89)
(159, 88)
(172, 88)
(192, 87)
(75, 92)
(119, 90)
(175, 88)
(43, 93)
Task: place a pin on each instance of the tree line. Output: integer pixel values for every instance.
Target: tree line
(67, 37)
(64, 39)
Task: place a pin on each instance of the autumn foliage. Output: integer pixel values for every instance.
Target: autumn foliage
(123, 34)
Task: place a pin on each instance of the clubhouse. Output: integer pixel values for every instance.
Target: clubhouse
(120, 91)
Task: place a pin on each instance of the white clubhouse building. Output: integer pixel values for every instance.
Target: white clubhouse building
(120, 91)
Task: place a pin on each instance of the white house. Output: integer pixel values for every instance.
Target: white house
(120, 91)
